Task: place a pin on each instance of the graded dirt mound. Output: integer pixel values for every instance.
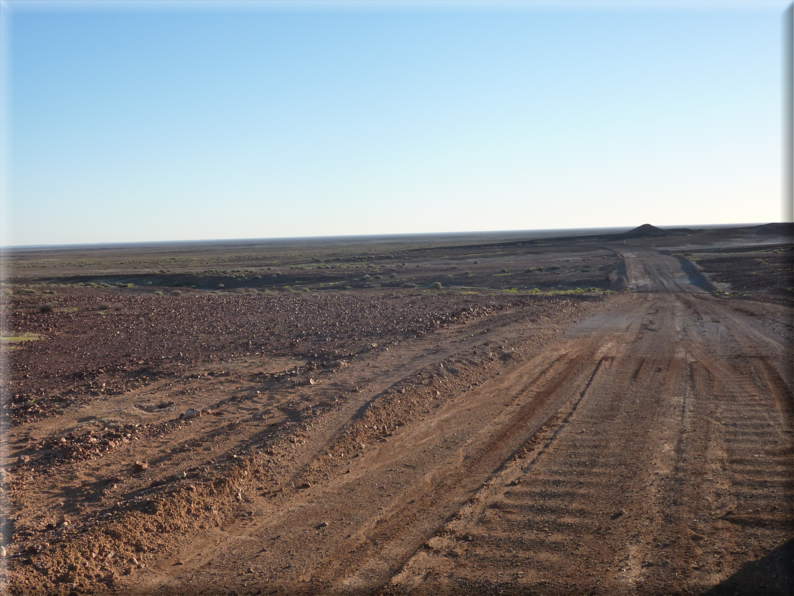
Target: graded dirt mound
(617, 277)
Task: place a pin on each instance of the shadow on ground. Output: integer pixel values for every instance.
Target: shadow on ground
(769, 575)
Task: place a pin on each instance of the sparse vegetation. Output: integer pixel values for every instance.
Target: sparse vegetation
(11, 339)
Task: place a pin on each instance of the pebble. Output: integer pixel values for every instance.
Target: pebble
(323, 524)
(2, 551)
(140, 466)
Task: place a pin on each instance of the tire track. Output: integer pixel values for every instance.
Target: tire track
(396, 495)
(679, 458)
(566, 498)
(392, 541)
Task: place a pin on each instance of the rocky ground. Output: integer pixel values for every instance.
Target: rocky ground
(393, 440)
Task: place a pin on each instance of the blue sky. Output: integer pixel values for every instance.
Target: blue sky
(268, 121)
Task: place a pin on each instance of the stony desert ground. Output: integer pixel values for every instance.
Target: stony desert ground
(477, 414)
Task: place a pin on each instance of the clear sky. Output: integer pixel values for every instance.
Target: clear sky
(197, 122)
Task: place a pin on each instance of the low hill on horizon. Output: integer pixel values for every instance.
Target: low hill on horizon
(644, 230)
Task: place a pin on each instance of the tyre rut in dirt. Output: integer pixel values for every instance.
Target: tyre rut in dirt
(403, 529)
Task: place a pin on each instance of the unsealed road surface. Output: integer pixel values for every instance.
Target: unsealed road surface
(646, 450)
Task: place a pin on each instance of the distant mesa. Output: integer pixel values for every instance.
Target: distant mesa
(649, 231)
(786, 228)
(643, 231)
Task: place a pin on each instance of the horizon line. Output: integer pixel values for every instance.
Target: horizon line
(351, 236)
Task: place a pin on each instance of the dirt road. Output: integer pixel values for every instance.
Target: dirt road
(647, 449)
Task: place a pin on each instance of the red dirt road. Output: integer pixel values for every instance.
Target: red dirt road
(645, 450)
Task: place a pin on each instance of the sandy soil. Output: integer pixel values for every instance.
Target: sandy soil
(636, 442)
